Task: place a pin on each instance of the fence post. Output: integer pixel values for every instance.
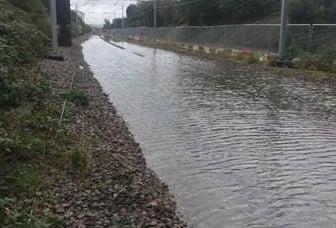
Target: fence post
(244, 35)
(310, 38)
(225, 36)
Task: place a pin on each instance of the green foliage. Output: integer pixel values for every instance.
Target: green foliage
(20, 40)
(80, 159)
(203, 12)
(37, 12)
(78, 27)
(25, 39)
(10, 89)
(253, 58)
(13, 218)
(216, 12)
(325, 61)
(77, 97)
(312, 11)
(29, 178)
(306, 11)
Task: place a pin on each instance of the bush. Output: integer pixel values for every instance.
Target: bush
(37, 12)
(20, 40)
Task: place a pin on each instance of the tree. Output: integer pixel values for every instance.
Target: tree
(107, 24)
(306, 11)
(217, 12)
(330, 11)
(117, 23)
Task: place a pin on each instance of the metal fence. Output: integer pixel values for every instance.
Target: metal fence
(264, 37)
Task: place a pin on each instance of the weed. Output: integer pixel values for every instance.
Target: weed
(253, 58)
(80, 158)
(29, 179)
(77, 97)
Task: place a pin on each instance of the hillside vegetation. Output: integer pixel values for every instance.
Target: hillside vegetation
(32, 139)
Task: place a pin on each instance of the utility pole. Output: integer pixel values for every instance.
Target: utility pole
(54, 55)
(283, 30)
(155, 13)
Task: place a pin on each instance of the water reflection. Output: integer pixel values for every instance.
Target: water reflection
(237, 148)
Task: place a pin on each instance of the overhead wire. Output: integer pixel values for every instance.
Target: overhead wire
(179, 4)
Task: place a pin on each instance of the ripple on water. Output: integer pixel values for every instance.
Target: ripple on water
(237, 148)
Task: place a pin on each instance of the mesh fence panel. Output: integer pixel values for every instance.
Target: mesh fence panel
(323, 37)
(264, 37)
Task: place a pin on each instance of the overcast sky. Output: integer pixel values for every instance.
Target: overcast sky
(97, 10)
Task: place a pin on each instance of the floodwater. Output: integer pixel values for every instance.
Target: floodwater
(237, 148)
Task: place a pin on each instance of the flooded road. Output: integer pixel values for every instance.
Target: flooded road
(237, 148)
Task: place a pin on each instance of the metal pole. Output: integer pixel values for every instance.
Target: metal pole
(122, 20)
(76, 12)
(283, 30)
(54, 27)
(155, 13)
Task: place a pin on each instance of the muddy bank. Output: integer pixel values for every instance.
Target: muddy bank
(119, 190)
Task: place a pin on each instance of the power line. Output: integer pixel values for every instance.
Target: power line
(180, 4)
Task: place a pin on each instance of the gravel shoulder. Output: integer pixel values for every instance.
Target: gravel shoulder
(119, 190)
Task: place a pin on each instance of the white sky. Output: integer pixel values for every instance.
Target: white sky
(97, 10)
